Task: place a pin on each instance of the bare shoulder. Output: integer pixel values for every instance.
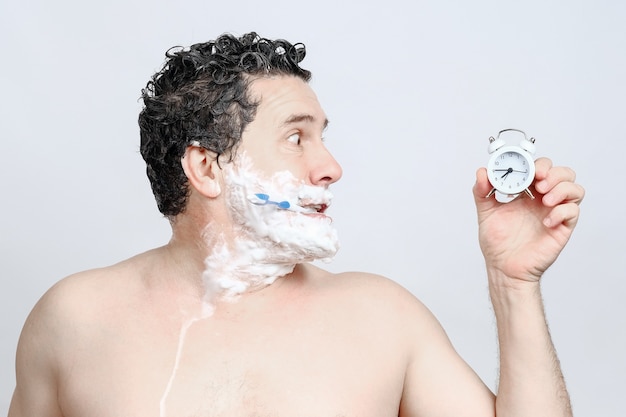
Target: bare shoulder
(397, 319)
(62, 317)
(83, 292)
(378, 299)
(375, 292)
(49, 324)
(77, 299)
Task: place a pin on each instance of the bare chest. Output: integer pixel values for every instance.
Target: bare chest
(212, 368)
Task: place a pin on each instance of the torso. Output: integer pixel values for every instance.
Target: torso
(314, 344)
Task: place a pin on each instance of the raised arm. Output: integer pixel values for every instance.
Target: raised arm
(520, 240)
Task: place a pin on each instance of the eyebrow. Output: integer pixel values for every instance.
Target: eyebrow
(296, 118)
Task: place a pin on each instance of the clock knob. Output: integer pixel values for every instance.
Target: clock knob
(495, 144)
(528, 145)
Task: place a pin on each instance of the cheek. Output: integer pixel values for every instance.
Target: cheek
(279, 181)
(285, 184)
(276, 170)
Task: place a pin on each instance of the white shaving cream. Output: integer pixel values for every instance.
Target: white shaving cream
(269, 241)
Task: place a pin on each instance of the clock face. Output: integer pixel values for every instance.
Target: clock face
(511, 170)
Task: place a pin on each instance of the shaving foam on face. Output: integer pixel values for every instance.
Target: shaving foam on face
(269, 241)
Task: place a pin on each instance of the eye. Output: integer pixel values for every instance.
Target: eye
(294, 138)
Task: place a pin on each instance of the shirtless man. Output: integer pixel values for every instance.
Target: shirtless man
(230, 319)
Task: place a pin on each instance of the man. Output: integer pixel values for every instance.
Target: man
(230, 319)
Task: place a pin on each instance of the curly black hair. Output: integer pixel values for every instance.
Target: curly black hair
(201, 96)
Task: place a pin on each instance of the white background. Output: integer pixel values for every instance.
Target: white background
(413, 90)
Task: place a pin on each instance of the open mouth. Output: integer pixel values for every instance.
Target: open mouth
(321, 208)
(312, 208)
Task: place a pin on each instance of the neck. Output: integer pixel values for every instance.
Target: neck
(240, 266)
(224, 262)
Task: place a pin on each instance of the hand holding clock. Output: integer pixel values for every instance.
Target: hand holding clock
(521, 239)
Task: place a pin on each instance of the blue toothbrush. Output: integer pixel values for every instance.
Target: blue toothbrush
(261, 199)
(265, 199)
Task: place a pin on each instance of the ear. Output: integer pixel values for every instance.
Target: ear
(202, 170)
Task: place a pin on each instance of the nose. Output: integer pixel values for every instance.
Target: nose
(324, 168)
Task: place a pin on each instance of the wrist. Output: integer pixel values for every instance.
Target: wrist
(508, 290)
(520, 281)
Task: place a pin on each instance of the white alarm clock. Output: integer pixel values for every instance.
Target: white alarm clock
(511, 168)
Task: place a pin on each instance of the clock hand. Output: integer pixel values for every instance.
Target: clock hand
(508, 171)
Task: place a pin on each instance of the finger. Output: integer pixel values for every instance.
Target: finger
(482, 185)
(563, 214)
(564, 192)
(553, 176)
(542, 167)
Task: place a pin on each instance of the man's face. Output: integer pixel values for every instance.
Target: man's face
(282, 157)
(287, 132)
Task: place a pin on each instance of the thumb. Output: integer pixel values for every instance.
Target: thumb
(481, 186)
